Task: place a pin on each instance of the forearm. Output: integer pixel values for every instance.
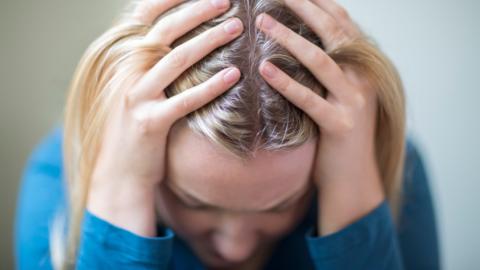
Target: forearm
(128, 206)
(348, 196)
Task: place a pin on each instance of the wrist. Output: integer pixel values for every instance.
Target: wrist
(345, 199)
(124, 204)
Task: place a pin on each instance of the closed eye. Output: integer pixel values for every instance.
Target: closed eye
(204, 207)
(196, 207)
(280, 209)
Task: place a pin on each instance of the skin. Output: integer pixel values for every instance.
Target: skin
(346, 173)
(131, 160)
(229, 234)
(126, 185)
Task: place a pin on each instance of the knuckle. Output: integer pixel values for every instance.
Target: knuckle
(320, 58)
(335, 33)
(343, 125)
(284, 35)
(182, 105)
(163, 30)
(346, 125)
(329, 24)
(284, 84)
(349, 124)
(185, 104)
(213, 85)
(177, 58)
(142, 121)
(199, 9)
(143, 11)
(308, 101)
(359, 101)
(214, 36)
(341, 12)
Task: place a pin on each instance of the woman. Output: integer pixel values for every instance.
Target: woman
(286, 148)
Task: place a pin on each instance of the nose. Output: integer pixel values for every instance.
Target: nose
(234, 240)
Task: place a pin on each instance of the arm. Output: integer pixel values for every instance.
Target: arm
(39, 195)
(372, 242)
(346, 172)
(102, 244)
(106, 246)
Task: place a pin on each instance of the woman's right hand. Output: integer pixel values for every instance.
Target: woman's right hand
(131, 161)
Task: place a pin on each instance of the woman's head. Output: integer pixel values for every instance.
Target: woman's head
(228, 208)
(243, 153)
(249, 126)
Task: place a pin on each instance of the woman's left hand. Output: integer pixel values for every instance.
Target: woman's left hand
(346, 172)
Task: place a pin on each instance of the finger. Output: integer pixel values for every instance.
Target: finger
(339, 13)
(322, 23)
(147, 11)
(314, 58)
(175, 25)
(179, 59)
(188, 101)
(319, 109)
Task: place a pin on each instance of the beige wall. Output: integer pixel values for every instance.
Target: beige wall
(40, 45)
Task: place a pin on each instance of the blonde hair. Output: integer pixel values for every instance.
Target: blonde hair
(250, 115)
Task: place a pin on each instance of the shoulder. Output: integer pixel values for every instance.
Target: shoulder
(417, 226)
(415, 180)
(417, 204)
(413, 151)
(42, 177)
(45, 159)
(48, 151)
(41, 194)
(44, 166)
(43, 170)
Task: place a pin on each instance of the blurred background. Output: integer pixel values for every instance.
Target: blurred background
(434, 44)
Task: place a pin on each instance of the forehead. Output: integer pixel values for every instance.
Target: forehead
(207, 171)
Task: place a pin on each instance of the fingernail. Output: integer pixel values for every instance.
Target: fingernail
(265, 21)
(232, 26)
(220, 3)
(269, 69)
(231, 75)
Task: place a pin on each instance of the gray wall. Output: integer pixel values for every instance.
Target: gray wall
(40, 45)
(433, 44)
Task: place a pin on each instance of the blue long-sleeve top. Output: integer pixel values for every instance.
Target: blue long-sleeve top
(371, 242)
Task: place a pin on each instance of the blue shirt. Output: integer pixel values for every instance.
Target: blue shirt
(371, 242)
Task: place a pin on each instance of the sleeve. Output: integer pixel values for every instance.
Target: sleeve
(102, 245)
(368, 243)
(106, 246)
(39, 194)
(374, 242)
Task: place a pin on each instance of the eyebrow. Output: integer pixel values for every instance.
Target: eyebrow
(286, 202)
